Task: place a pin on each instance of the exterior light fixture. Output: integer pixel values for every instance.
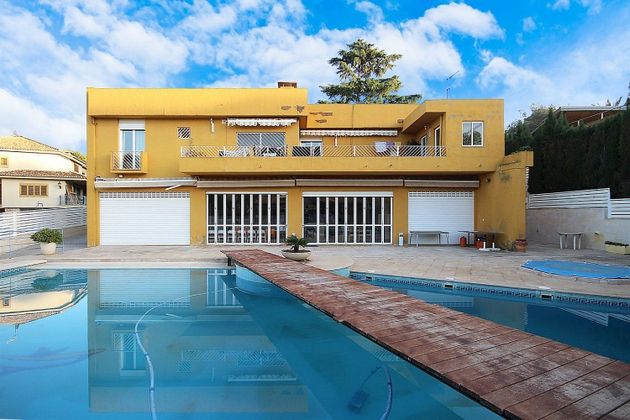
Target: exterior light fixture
(59, 184)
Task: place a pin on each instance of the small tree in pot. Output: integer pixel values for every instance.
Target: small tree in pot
(48, 240)
(295, 253)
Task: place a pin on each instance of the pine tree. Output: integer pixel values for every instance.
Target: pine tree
(361, 69)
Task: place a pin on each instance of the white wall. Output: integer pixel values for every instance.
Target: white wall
(543, 225)
(11, 193)
(38, 161)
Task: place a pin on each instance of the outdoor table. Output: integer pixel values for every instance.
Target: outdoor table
(438, 233)
(575, 235)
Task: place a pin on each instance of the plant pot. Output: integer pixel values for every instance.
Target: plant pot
(48, 248)
(618, 249)
(296, 256)
(520, 245)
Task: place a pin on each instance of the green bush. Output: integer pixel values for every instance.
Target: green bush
(47, 236)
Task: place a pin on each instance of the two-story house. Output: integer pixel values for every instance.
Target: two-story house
(35, 175)
(252, 166)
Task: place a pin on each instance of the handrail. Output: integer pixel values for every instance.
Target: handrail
(368, 150)
(127, 161)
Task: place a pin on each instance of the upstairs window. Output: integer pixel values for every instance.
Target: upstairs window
(472, 133)
(183, 133)
(76, 168)
(4, 162)
(33, 190)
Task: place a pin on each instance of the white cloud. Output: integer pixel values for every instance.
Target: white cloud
(592, 6)
(461, 18)
(529, 24)
(373, 12)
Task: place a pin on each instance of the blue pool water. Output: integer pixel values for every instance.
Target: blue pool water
(595, 324)
(220, 347)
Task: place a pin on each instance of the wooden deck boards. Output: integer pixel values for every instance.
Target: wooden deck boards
(517, 374)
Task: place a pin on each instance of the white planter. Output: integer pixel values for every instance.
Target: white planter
(48, 249)
(296, 256)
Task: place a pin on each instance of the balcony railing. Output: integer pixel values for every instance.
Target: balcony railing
(313, 151)
(72, 200)
(128, 161)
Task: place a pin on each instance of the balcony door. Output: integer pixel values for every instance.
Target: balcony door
(347, 218)
(247, 218)
(132, 141)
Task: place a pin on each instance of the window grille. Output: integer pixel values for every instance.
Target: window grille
(183, 133)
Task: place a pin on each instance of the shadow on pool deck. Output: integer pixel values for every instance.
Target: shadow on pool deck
(433, 262)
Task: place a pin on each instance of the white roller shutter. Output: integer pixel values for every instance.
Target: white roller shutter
(145, 218)
(449, 211)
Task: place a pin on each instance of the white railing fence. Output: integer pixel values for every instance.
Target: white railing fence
(130, 161)
(17, 223)
(386, 150)
(597, 198)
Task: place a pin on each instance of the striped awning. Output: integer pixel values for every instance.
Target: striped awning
(260, 122)
(350, 133)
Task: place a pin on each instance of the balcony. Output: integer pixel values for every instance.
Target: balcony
(372, 158)
(129, 162)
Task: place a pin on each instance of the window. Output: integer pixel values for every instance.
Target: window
(246, 218)
(472, 133)
(4, 162)
(423, 141)
(33, 190)
(308, 147)
(183, 133)
(76, 168)
(263, 144)
(438, 141)
(344, 218)
(132, 137)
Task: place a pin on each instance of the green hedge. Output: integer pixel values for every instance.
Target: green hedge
(575, 158)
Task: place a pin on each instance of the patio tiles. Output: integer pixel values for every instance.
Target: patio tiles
(517, 374)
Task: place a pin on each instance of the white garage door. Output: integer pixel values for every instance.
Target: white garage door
(149, 218)
(444, 211)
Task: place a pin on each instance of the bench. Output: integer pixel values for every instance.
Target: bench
(417, 233)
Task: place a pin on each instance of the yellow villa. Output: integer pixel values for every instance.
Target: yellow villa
(252, 166)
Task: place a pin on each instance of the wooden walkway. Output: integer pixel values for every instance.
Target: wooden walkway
(516, 374)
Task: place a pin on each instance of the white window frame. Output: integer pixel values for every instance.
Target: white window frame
(424, 141)
(352, 197)
(134, 126)
(472, 128)
(251, 226)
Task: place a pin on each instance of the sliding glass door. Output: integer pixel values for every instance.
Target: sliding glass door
(247, 218)
(347, 218)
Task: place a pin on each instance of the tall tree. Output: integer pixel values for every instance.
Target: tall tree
(362, 68)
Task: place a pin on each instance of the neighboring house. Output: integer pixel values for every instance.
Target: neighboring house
(251, 166)
(34, 175)
(587, 115)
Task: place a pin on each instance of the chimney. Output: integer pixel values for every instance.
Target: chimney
(287, 84)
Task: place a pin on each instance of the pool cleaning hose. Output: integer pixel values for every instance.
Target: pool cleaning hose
(146, 354)
(360, 395)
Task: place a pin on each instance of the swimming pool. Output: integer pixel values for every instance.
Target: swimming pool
(219, 347)
(594, 323)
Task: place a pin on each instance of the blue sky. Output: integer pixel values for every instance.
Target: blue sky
(560, 52)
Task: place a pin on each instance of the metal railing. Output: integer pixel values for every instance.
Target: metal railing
(127, 161)
(368, 150)
(72, 200)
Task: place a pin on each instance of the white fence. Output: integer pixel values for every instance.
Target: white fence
(19, 222)
(582, 199)
(590, 212)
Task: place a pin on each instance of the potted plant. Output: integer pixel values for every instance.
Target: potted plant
(520, 245)
(295, 253)
(617, 248)
(48, 240)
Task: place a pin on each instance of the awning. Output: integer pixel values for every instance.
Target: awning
(260, 122)
(350, 133)
(101, 183)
